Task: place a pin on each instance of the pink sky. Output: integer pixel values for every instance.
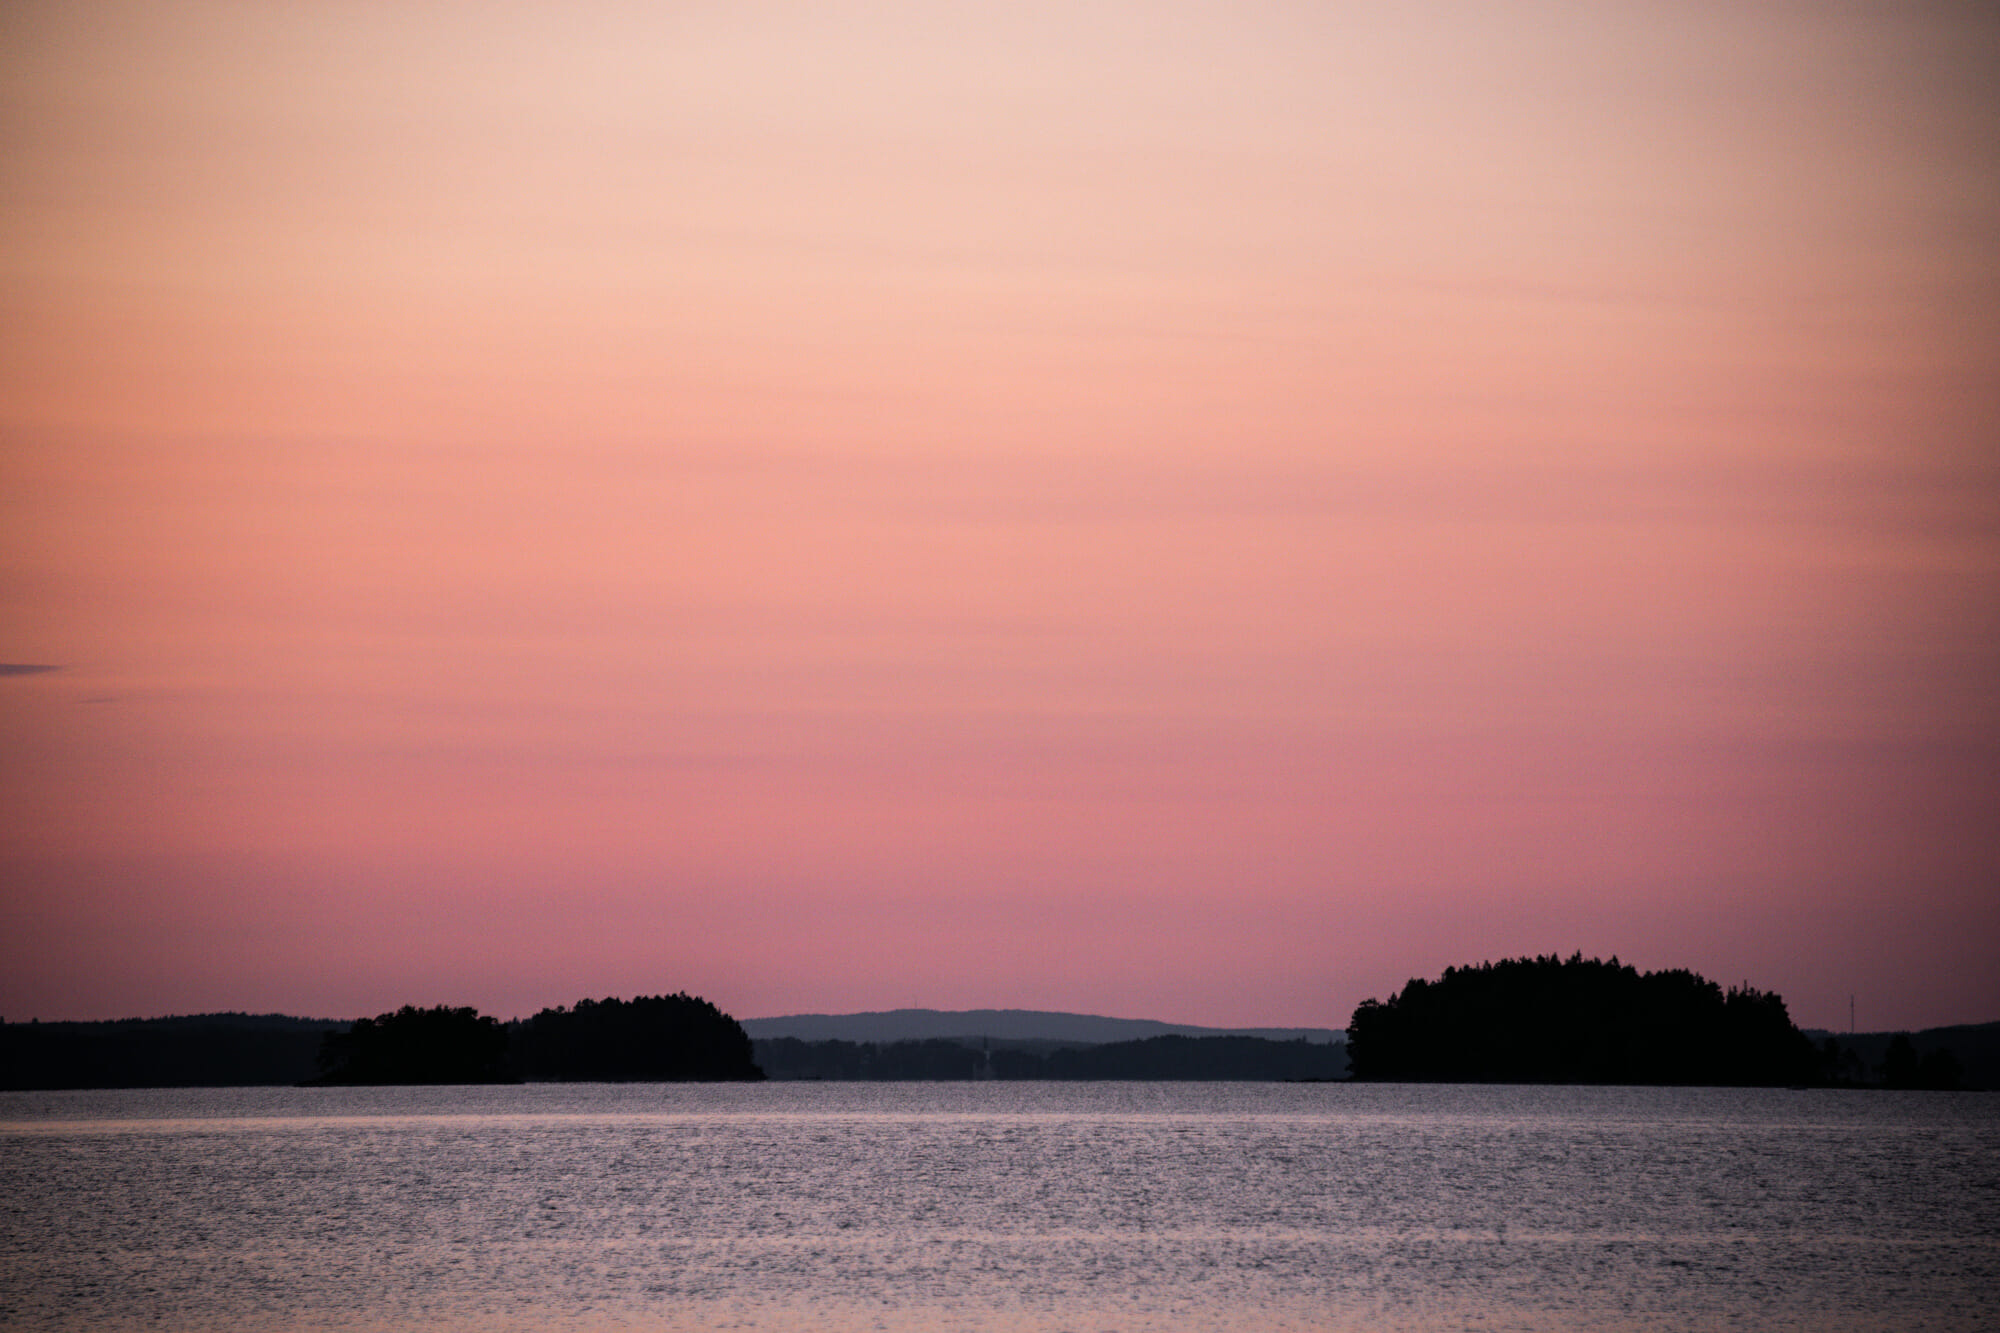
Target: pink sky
(1190, 511)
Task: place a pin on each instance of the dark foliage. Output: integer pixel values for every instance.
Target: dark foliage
(934, 1058)
(1199, 1058)
(1940, 1070)
(1839, 1066)
(1964, 1057)
(412, 1045)
(184, 1051)
(649, 1038)
(1903, 1067)
(1900, 1064)
(1577, 1020)
(666, 1037)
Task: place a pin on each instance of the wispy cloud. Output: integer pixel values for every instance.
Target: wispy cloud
(26, 668)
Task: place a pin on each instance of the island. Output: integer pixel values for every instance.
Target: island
(1579, 1020)
(651, 1038)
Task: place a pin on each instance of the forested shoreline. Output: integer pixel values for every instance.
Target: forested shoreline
(1525, 1020)
(180, 1051)
(1164, 1058)
(649, 1038)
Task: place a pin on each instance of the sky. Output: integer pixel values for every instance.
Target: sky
(1189, 511)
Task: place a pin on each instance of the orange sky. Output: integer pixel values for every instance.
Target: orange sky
(1196, 511)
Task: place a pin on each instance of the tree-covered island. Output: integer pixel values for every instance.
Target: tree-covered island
(412, 1045)
(651, 1038)
(1578, 1020)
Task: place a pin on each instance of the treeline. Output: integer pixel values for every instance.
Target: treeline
(1544, 1020)
(1578, 1020)
(192, 1051)
(1255, 1059)
(652, 1038)
(649, 1038)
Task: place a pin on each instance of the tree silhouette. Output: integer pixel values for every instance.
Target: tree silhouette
(1939, 1069)
(651, 1037)
(1903, 1068)
(1577, 1020)
(412, 1045)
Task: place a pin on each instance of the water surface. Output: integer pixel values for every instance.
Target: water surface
(1035, 1206)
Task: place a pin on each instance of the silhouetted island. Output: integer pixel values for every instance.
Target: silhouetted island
(651, 1038)
(412, 1045)
(1578, 1020)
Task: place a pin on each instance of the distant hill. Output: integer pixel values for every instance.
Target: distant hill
(1002, 1025)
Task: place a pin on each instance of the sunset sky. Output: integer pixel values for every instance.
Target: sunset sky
(1194, 511)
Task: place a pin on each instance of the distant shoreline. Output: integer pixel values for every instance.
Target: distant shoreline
(267, 1050)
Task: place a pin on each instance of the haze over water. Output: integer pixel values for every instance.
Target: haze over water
(1022, 1207)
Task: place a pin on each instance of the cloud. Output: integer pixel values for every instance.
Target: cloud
(26, 668)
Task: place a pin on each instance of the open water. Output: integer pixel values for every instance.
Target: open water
(999, 1206)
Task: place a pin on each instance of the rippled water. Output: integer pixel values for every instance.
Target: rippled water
(999, 1206)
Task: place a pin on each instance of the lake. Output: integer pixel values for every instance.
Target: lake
(1001, 1206)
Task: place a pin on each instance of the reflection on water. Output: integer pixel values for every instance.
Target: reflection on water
(998, 1206)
